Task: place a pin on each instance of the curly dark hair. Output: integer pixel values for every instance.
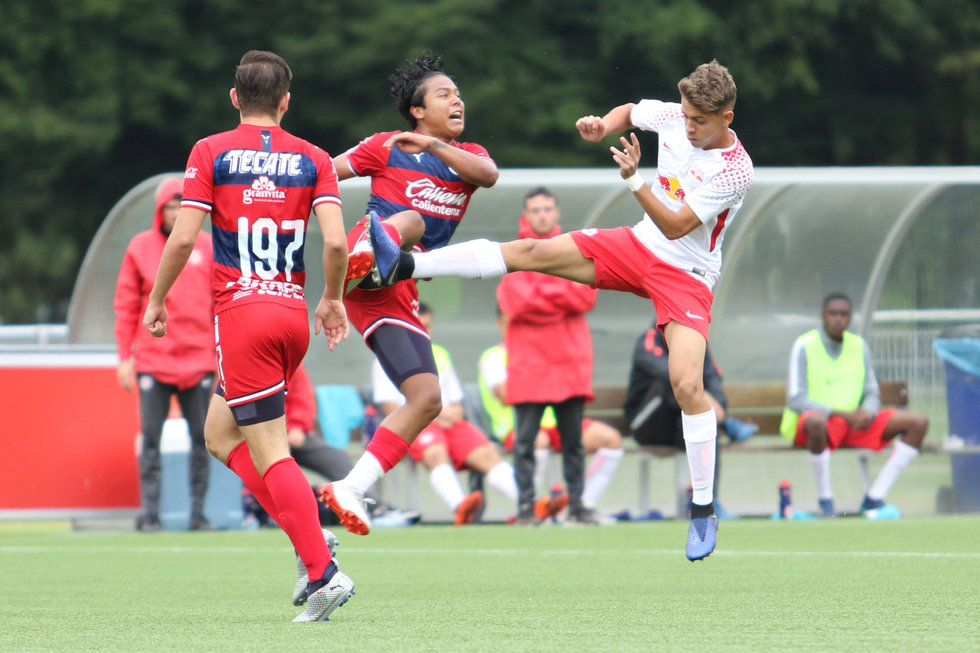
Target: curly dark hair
(407, 83)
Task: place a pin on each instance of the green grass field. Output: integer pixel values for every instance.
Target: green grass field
(843, 585)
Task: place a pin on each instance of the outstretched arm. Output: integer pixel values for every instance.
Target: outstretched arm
(477, 170)
(594, 128)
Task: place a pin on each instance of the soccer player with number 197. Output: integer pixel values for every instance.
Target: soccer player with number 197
(259, 183)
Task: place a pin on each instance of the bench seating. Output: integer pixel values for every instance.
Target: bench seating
(761, 403)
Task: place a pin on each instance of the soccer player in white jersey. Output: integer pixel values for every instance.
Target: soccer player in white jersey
(672, 256)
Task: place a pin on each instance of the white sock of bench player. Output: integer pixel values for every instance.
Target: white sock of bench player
(541, 455)
(902, 454)
(444, 482)
(700, 432)
(821, 473)
(600, 472)
(471, 259)
(501, 478)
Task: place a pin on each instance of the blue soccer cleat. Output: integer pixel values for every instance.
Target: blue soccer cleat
(387, 253)
(827, 508)
(701, 537)
(877, 509)
(738, 430)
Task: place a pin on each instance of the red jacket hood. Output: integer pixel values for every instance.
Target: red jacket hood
(166, 191)
(524, 230)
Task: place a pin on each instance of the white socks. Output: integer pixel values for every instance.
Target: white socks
(600, 472)
(365, 472)
(471, 259)
(501, 478)
(444, 482)
(700, 432)
(902, 454)
(821, 472)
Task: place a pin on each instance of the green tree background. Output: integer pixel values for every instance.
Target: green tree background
(97, 95)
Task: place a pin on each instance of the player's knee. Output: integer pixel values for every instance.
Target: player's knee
(687, 391)
(815, 427)
(428, 403)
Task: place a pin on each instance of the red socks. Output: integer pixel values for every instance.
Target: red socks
(298, 514)
(240, 462)
(387, 447)
(287, 496)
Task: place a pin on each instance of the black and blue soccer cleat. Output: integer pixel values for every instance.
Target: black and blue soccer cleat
(701, 537)
(387, 253)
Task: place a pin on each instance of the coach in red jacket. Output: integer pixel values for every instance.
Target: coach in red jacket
(549, 360)
(181, 364)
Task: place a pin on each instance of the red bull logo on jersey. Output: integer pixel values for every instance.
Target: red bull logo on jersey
(696, 175)
(672, 186)
(263, 190)
(426, 197)
(256, 162)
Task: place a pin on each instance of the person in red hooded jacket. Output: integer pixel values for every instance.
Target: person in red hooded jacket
(549, 361)
(181, 365)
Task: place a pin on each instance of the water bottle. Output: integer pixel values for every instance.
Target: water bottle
(785, 503)
(371, 421)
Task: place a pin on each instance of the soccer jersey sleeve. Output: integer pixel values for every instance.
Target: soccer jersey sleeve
(327, 189)
(452, 389)
(650, 115)
(477, 149)
(199, 178)
(369, 158)
(493, 367)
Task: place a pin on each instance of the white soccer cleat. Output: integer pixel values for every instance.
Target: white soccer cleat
(327, 596)
(348, 504)
(302, 578)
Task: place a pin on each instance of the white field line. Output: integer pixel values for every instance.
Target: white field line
(346, 551)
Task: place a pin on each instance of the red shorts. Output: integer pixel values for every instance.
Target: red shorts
(839, 434)
(398, 304)
(623, 263)
(554, 438)
(259, 345)
(460, 440)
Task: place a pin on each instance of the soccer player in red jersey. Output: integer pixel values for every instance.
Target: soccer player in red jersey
(422, 180)
(259, 184)
(672, 256)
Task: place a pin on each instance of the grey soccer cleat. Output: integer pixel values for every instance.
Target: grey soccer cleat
(327, 594)
(302, 578)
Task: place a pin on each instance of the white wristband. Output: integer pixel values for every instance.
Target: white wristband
(635, 182)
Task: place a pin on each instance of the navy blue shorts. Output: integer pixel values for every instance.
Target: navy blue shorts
(402, 353)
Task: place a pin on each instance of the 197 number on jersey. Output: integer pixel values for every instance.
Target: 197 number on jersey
(266, 249)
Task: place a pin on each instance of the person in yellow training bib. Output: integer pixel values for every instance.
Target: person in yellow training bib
(833, 401)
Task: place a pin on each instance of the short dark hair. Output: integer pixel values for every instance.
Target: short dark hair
(837, 295)
(424, 309)
(540, 191)
(261, 80)
(407, 83)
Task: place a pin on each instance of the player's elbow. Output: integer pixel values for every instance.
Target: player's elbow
(333, 248)
(486, 177)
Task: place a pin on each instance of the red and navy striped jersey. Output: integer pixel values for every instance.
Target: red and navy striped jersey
(422, 182)
(259, 183)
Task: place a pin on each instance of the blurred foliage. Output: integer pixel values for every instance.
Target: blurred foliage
(97, 95)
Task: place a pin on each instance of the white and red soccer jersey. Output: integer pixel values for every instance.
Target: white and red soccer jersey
(712, 182)
(422, 182)
(259, 183)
